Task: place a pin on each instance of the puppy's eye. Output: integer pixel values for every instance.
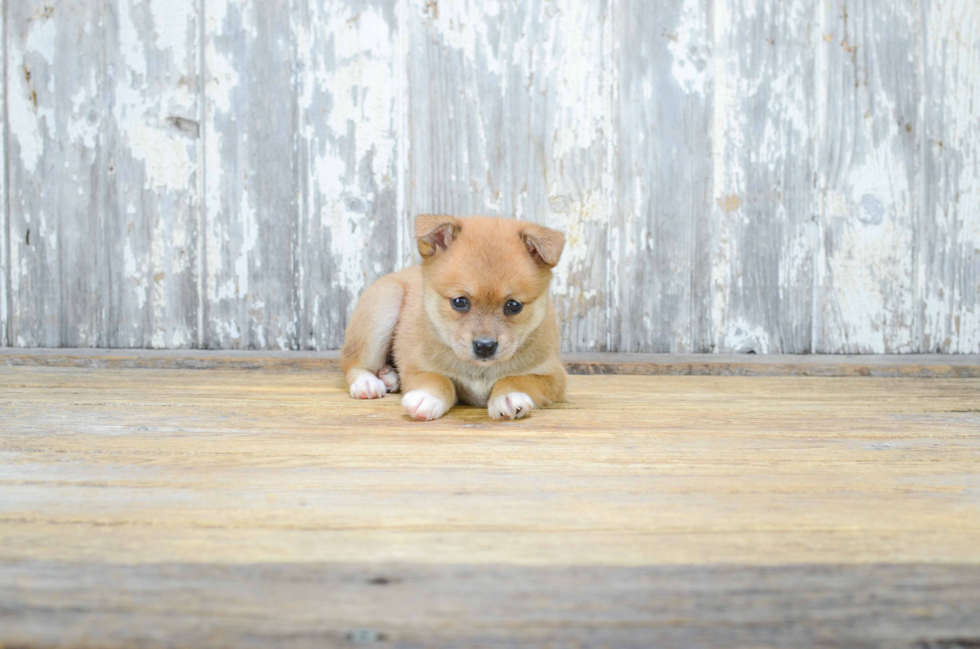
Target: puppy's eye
(461, 304)
(512, 307)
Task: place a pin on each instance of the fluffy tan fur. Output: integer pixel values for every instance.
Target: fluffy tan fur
(406, 320)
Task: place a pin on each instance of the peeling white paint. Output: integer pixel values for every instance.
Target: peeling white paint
(141, 115)
(531, 114)
(360, 82)
(250, 238)
(464, 26)
(578, 86)
(136, 271)
(173, 22)
(5, 264)
(29, 123)
(872, 304)
(575, 219)
(742, 337)
(691, 53)
(723, 169)
(867, 286)
(949, 279)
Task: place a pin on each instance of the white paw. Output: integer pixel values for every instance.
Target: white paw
(367, 386)
(512, 405)
(390, 377)
(423, 406)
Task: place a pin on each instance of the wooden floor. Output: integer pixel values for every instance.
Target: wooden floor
(159, 507)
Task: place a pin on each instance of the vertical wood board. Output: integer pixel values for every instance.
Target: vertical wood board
(60, 274)
(510, 115)
(152, 160)
(868, 176)
(949, 232)
(663, 177)
(250, 160)
(765, 205)
(4, 241)
(347, 171)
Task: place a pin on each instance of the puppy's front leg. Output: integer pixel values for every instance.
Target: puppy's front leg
(428, 395)
(514, 397)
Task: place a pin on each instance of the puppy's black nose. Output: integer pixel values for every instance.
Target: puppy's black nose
(484, 347)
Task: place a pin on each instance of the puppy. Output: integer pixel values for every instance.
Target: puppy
(473, 323)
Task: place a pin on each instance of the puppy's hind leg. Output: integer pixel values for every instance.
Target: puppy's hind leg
(367, 340)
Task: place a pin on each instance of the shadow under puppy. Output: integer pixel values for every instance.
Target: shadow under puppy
(473, 323)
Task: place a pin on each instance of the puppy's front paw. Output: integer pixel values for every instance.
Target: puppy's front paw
(512, 405)
(390, 377)
(423, 406)
(367, 386)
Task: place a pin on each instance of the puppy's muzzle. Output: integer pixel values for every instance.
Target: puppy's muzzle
(484, 347)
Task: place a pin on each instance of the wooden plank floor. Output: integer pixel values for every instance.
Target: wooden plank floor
(266, 508)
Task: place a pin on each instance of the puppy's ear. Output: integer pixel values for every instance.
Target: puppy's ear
(435, 232)
(544, 244)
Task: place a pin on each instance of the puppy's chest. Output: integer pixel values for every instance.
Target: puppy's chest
(474, 390)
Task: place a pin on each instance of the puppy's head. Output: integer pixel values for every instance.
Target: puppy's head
(486, 281)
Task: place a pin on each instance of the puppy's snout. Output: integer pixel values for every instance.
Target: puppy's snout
(484, 347)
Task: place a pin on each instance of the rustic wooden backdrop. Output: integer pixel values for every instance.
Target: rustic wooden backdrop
(733, 175)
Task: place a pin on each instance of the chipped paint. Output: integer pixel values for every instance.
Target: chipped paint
(360, 85)
(690, 53)
(141, 115)
(30, 124)
(574, 220)
(734, 175)
(579, 81)
(949, 235)
(870, 179)
(763, 126)
(5, 338)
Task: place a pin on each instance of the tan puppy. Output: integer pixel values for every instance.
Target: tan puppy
(473, 323)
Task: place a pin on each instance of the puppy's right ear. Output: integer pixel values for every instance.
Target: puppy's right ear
(435, 232)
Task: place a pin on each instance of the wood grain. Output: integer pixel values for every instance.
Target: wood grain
(271, 508)
(152, 139)
(660, 257)
(4, 223)
(732, 175)
(250, 147)
(57, 166)
(949, 232)
(877, 365)
(423, 605)
(765, 203)
(348, 174)
(868, 174)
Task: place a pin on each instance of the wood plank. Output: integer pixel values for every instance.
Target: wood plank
(348, 86)
(412, 605)
(243, 467)
(868, 175)
(949, 263)
(509, 115)
(661, 233)
(765, 201)
(878, 365)
(4, 241)
(239, 508)
(152, 138)
(250, 141)
(60, 275)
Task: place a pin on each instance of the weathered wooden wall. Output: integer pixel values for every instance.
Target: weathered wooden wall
(732, 175)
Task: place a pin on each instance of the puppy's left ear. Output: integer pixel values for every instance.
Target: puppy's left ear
(544, 244)
(435, 232)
